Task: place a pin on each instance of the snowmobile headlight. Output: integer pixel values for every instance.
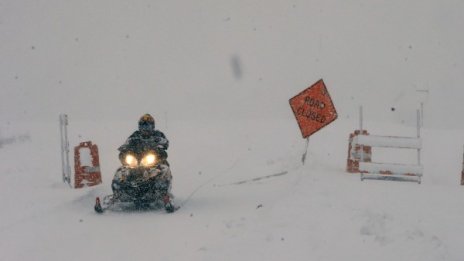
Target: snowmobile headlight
(148, 160)
(131, 161)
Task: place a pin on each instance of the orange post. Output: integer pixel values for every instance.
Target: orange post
(354, 153)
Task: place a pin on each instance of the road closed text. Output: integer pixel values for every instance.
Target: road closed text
(311, 110)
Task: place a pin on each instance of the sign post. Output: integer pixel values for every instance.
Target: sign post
(303, 158)
(313, 109)
(462, 172)
(65, 167)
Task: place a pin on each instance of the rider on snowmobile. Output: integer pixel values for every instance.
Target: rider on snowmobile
(147, 135)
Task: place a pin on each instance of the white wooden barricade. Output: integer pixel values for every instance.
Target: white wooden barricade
(376, 170)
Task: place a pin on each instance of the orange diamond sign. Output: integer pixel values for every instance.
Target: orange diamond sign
(313, 109)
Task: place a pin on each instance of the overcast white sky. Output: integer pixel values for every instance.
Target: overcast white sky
(210, 59)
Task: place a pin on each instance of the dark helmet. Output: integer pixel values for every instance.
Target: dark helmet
(146, 123)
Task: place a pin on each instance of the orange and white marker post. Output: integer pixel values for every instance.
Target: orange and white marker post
(86, 165)
(313, 109)
(462, 172)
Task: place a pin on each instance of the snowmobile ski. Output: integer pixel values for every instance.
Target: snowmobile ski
(98, 208)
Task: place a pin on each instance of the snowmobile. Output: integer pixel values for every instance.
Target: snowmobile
(142, 182)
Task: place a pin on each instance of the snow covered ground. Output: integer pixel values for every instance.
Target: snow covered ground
(311, 212)
(217, 75)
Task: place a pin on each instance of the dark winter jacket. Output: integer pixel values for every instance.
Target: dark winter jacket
(138, 142)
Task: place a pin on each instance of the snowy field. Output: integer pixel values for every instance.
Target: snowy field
(312, 212)
(217, 76)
